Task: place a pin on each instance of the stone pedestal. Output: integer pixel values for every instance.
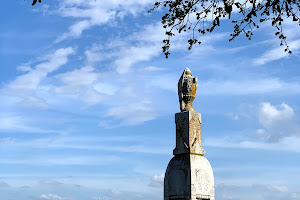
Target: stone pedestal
(189, 175)
(188, 133)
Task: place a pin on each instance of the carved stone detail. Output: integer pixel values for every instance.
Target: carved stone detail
(187, 87)
(188, 133)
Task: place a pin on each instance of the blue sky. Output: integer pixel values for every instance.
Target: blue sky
(88, 103)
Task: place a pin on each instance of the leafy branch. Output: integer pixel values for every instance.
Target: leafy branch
(209, 12)
(35, 1)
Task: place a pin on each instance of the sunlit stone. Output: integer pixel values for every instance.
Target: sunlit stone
(189, 175)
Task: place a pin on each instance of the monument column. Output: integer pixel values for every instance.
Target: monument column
(189, 175)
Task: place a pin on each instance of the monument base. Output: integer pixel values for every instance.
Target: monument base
(189, 177)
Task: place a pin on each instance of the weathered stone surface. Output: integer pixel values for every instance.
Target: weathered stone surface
(177, 183)
(189, 175)
(202, 178)
(188, 133)
(187, 87)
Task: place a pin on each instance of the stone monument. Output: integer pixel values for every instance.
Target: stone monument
(189, 175)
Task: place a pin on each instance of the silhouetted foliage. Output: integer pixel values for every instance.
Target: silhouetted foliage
(35, 1)
(209, 12)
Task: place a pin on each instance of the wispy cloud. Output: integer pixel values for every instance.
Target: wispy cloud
(7, 140)
(26, 85)
(256, 191)
(64, 161)
(130, 56)
(217, 87)
(117, 144)
(290, 143)
(50, 197)
(90, 85)
(134, 113)
(96, 13)
(248, 87)
(18, 123)
(276, 53)
(31, 80)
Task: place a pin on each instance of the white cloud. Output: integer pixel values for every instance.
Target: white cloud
(50, 197)
(260, 134)
(290, 30)
(157, 181)
(118, 86)
(94, 84)
(75, 30)
(134, 112)
(130, 56)
(24, 68)
(19, 123)
(7, 140)
(232, 87)
(128, 51)
(151, 33)
(277, 122)
(96, 13)
(288, 143)
(63, 160)
(80, 82)
(89, 86)
(31, 80)
(105, 88)
(34, 101)
(276, 54)
(94, 54)
(91, 97)
(28, 87)
(98, 144)
(247, 87)
(74, 81)
(269, 115)
(260, 131)
(153, 68)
